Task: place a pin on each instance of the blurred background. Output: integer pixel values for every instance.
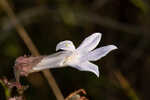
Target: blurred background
(124, 23)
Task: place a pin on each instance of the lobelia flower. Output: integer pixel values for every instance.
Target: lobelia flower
(78, 58)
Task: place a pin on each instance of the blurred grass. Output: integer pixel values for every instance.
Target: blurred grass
(6, 90)
(141, 4)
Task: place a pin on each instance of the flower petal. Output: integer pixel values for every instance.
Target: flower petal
(65, 45)
(52, 61)
(100, 52)
(90, 42)
(87, 66)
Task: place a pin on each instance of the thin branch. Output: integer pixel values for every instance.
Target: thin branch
(23, 34)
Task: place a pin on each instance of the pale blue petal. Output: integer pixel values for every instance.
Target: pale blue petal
(87, 66)
(52, 61)
(65, 45)
(100, 52)
(90, 42)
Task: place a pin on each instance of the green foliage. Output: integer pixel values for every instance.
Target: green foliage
(140, 4)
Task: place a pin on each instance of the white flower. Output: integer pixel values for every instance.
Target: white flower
(77, 58)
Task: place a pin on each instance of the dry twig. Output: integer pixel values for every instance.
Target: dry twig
(76, 95)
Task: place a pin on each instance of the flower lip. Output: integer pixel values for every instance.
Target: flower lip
(65, 45)
(100, 52)
(90, 42)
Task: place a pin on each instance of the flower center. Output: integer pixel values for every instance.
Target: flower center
(73, 58)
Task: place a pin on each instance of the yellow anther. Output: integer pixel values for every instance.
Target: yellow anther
(67, 44)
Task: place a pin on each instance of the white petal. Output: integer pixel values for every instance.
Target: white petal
(90, 42)
(100, 52)
(65, 45)
(52, 61)
(87, 66)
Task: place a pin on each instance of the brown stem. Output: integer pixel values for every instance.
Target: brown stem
(75, 93)
(23, 34)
